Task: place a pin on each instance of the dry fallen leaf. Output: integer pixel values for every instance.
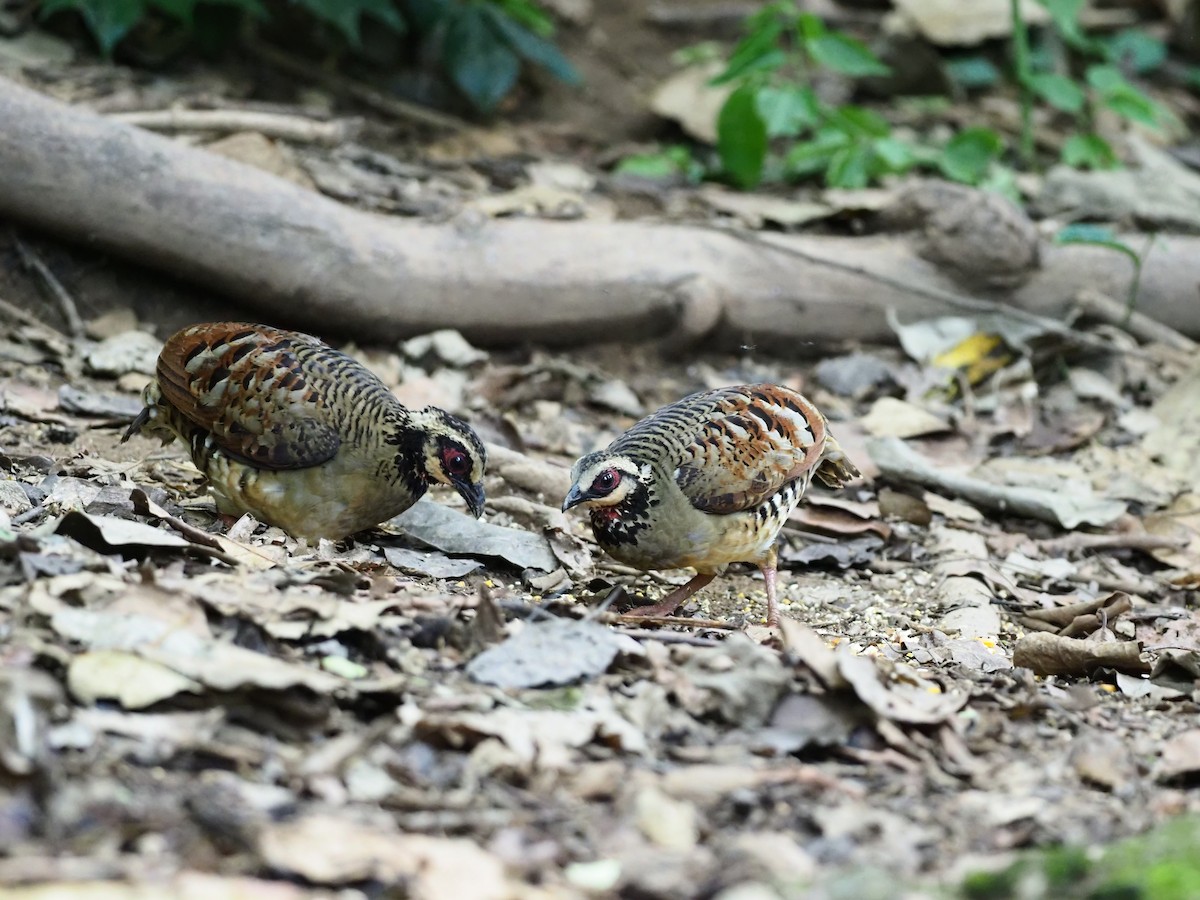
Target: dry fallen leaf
(451, 531)
(550, 653)
(325, 848)
(1180, 756)
(1053, 654)
(911, 700)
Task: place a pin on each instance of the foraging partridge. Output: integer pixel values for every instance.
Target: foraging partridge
(708, 481)
(300, 435)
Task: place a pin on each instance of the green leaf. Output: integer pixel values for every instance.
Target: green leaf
(671, 162)
(788, 110)
(757, 52)
(1106, 79)
(1135, 106)
(483, 67)
(859, 121)
(345, 15)
(1085, 233)
(181, 10)
(1135, 50)
(1058, 90)
(107, 20)
(531, 47)
(850, 167)
(658, 166)
(973, 71)
(1095, 235)
(427, 15)
(1001, 179)
(1065, 14)
(809, 27)
(894, 154)
(1123, 98)
(528, 15)
(841, 53)
(1089, 151)
(809, 157)
(742, 137)
(969, 154)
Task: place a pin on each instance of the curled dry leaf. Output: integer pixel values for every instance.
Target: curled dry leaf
(909, 699)
(106, 534)
(739, 681)
(810, 649)
(1080, 619)
(1053, 654)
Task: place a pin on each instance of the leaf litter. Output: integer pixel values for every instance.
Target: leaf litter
(989, 643)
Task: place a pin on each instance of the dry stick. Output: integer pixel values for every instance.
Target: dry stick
(1141, 326)
(17, 314)
(1085, 541)
(634, 619)
(276, 125)
(66, 302)
(669, 637)
(365, 95)
(950, 298)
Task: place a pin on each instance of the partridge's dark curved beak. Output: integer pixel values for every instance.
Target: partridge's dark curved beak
(473, 494)
(574, 498)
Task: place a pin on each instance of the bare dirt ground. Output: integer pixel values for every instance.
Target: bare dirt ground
(440, 708)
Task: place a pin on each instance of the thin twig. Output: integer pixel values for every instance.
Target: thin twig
(364, 94)
(14, 312)
(669, 637)
(66, 303)
(634, 619)
(1132, 541)
(275, 125)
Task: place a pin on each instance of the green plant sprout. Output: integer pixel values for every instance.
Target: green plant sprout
(482, 43)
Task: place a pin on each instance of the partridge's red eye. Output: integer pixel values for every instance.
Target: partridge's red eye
(455, 461)
(606, 481)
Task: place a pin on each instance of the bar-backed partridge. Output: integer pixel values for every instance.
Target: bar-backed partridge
(300, 435)
(708, 481)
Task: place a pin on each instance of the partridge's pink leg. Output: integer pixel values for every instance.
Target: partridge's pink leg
(772, 603)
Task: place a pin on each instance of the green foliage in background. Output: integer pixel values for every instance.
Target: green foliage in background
(1050, 79)
(1160, 865)
(481, 44)
(771, 70)
(773, 126)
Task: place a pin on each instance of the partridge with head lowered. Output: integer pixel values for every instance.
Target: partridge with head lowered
(300, 435)
(706, 482)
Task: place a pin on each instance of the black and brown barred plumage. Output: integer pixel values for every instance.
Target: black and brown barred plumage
(708, 481)
(301, 435)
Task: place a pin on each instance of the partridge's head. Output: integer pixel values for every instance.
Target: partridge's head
(603, 479)
(454, 455)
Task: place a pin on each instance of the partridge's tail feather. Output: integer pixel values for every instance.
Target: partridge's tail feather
(835, 468)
